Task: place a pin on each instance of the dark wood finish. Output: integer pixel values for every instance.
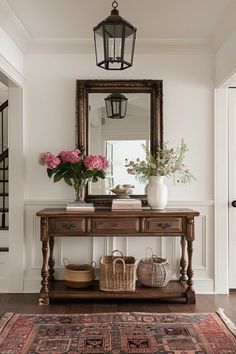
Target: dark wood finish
(67, 226)
(174, 222)
(27, 303)
(4, 249)
(115, 226)
(174, 289)
(4, 168)
(165, 225)
(183, 262)
(3, 106)
(3, 156)
(84, 87)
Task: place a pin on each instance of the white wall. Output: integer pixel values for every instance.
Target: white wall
(49, 126)
(50, 114)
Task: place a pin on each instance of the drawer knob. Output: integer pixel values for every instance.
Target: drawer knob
(68, 226)
(164, 225)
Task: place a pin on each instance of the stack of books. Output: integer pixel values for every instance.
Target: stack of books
(126, 204)
(80, 207)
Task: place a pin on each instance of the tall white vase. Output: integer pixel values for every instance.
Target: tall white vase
(157, 193)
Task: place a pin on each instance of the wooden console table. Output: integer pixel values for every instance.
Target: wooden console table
(106, 223)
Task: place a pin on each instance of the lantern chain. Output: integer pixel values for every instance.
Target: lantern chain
(115, 4)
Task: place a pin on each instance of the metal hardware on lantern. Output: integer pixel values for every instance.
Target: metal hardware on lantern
(116, 105)
(114, 40)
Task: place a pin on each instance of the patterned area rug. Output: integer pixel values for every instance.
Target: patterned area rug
(118, 333)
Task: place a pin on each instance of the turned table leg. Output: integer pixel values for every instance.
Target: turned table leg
(44, 292)
(190, 237)
(183, 262)
(51, 261)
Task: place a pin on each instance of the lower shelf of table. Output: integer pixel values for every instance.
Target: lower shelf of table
(174, 289)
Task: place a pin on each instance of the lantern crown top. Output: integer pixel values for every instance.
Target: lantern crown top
(115, 18)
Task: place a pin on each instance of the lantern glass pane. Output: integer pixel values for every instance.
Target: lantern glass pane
(123, 108)
(116, 109)
(129, 43)
(113, 44)
(108, 108)
(99, 43)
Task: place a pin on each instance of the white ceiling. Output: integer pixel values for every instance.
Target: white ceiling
(153, 18)
(159, 20)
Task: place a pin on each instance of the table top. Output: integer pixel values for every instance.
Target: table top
(107, 212)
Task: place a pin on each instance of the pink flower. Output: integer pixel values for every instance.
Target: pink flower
(50, 160)
(70, 156)
(105, 162)
(96, 162)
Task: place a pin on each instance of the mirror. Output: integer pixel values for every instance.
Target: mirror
(118, 138)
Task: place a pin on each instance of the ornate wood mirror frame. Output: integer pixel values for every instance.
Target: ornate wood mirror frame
(84, 87)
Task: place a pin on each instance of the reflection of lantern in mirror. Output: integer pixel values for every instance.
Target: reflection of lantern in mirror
(116, 105)
(114, 40)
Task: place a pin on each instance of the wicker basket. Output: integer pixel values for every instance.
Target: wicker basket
(154, 271)
(78, 276)
(117, 273)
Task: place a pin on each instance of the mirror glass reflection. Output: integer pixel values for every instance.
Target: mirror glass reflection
(118, 139)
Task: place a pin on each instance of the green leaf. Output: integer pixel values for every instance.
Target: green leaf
(94, 179)
(57, 177)
(50, 172)
(100, 174)
(90, 174)
(68, 181)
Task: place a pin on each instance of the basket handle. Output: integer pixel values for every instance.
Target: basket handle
(153, 256)
(121, 254)
(66, 262)
(147, 249)
(114, 264)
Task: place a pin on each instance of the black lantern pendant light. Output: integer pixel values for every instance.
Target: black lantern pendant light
(114, 40)
(116, 105)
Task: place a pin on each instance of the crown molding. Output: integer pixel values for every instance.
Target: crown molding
(143, 46)
(13, 26)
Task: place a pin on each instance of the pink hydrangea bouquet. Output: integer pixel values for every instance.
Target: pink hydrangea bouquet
(75, 168)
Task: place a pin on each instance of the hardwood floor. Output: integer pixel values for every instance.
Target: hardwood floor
(28, 303)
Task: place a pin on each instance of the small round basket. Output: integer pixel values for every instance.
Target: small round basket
(154, 271)
(78, 276)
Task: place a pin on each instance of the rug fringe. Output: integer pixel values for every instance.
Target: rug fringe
(227, 321)
(5, 319)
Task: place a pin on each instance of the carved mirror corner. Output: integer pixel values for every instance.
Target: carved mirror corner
(118, 139)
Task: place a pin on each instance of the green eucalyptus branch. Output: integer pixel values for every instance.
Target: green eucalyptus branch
(164, 162)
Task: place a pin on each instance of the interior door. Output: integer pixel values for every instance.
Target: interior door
(232, 188)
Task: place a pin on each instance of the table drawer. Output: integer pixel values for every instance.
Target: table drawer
(67, 226)
(115, 225)
(165, 225)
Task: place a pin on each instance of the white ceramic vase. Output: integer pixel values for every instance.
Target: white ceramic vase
(157, 193)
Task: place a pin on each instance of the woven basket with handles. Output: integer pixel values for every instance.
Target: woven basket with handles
(117, 273)
(78, 275)
(154, 271)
